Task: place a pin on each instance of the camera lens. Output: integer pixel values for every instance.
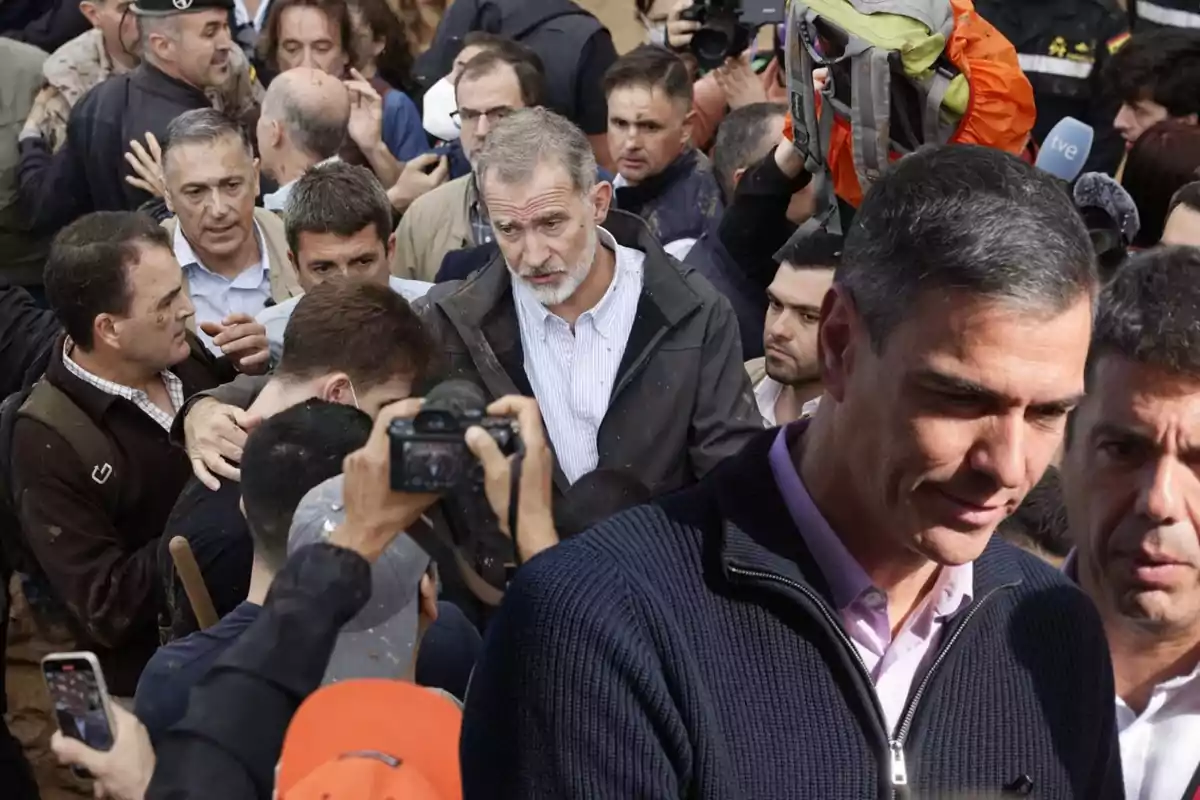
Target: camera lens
(722, 36)
(711, 47)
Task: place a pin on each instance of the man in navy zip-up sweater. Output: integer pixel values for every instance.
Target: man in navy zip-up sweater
(825, 616)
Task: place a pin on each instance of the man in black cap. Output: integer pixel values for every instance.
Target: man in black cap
(185, 49)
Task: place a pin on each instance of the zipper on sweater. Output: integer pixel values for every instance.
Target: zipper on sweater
(910, 710)
(899, 768)
(897, 763)
(899, 771)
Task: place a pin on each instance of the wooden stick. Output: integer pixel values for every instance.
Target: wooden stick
(193, 582)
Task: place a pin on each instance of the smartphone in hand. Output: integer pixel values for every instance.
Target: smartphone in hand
(82, 706)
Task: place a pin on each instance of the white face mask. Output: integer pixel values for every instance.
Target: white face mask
(439, 104)
(656, 32)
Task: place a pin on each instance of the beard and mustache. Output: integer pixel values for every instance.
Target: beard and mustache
(573, 276)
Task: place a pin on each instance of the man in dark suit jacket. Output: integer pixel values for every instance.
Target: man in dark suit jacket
(666, 398)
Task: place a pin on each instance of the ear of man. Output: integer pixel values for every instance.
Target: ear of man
(90, 12)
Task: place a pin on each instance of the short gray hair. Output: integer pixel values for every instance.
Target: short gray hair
(533, 136)
(968, 219)
(163, 24)
(202, 126)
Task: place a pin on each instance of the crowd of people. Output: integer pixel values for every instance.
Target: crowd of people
(422, 399)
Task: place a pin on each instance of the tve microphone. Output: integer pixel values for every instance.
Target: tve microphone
(1066, 149)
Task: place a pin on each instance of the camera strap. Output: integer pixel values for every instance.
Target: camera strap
(431, 535)
(514, 498)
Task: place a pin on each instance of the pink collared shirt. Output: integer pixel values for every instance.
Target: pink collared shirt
(895, 663)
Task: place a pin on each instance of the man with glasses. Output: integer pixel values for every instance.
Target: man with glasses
(490, 86)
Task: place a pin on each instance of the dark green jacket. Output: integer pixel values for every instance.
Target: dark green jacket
(22, 255)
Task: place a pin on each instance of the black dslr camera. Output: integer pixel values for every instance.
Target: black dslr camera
(428, 452)
(727, 26)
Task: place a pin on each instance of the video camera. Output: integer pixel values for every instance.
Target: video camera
(727, 26)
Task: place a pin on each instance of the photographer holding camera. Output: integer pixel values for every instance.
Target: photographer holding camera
(774, 194)
(735, 75)
(281, 659)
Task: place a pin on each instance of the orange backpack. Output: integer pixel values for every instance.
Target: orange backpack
(902, 74)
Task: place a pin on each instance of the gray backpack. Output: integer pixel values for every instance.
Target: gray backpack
(902, 74)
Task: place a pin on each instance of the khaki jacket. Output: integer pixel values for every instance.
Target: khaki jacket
(437, 223)
(22, 253)
(285, 282)
(82, 63)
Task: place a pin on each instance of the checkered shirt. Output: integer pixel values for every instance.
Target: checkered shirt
(135, 396)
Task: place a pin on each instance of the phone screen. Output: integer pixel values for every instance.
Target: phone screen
(78, 701)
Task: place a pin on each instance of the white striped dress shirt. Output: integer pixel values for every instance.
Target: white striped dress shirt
(573, 374)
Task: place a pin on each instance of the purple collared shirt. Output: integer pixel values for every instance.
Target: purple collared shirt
(893, 662)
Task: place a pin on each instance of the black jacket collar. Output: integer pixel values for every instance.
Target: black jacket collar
(758, 535)
(193, 371)
(635, 198)
(484, 301)
(154, 81)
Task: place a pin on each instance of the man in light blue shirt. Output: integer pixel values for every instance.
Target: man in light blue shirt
(339, 226)
(234, 257)
(215, 295)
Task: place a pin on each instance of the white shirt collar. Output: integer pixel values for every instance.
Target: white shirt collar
(1168, 688)
(171, 382)
(277, 200)
(242, 14)
(765, 394)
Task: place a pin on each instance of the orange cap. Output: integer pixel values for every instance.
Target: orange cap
(372, 739)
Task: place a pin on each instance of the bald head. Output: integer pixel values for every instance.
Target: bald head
(312, 108)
